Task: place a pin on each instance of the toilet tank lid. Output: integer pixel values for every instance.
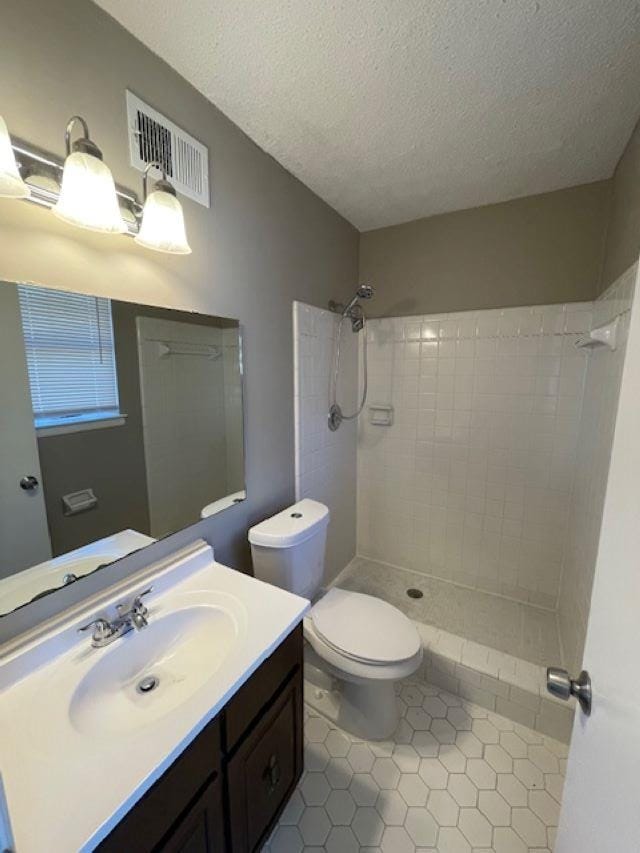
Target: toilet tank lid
(291, 526)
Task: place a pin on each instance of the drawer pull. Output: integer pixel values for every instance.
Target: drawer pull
(271, 774)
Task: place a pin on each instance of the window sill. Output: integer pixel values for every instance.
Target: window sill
(80, 426)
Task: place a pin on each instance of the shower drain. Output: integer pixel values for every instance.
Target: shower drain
(414, 593)
(147, 684)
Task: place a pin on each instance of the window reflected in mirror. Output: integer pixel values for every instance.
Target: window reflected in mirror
(122, 423)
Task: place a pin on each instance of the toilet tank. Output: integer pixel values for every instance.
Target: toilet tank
(288, 548)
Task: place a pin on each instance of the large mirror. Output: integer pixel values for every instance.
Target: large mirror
(120, 424)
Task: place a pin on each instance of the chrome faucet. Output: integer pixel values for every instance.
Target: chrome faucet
(129, 617)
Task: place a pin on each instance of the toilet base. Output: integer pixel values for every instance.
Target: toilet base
(367, 710)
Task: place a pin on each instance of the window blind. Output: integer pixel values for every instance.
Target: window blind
(70, 356)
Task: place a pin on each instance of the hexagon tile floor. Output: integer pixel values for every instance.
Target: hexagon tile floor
(455, 779)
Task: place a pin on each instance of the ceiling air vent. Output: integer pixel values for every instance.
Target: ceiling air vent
(154, 138)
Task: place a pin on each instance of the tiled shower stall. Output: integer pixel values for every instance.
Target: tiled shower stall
(471, 483)
(486, 491)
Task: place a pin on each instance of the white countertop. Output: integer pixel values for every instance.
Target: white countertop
(67, 790)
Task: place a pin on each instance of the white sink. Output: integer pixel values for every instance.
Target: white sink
(173, 657)
(71, 713)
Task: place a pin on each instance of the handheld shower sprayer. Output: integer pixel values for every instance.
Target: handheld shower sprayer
(365, 291)
(354, 312)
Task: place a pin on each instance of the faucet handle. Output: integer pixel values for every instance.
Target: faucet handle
(139, 612)
(144, 592)
(136, 604)
(102, 628)
(137, 601)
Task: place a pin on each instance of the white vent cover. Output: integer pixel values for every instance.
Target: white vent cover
(154, 138)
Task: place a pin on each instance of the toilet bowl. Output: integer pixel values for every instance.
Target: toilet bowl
(359, 645)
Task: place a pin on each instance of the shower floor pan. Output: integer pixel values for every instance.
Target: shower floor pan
(490, 650)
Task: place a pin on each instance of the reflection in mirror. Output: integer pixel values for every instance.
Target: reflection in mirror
(120, 424)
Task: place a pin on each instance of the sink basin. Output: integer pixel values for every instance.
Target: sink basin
(146, 674)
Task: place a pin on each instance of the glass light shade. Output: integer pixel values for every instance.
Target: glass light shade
(88, 195)
(11, 184)
(162, 226)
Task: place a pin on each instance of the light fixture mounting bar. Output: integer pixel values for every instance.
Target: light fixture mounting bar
(42, 172)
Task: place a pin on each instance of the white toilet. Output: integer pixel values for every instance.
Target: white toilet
(359, 640)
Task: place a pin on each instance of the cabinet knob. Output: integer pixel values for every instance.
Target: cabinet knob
(271, 774)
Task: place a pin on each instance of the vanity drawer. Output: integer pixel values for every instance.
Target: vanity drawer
(171, 799)
(264, 771)
(258, 691)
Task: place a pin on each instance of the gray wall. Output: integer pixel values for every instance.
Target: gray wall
(530, 251)
(623, 233)
(265, 241)
(109, 461)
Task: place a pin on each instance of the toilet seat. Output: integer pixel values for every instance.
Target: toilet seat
(364, 629)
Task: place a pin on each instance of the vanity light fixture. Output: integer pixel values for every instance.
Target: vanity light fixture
(162, 226)
(87, 193)
(80, 190)
(11, 183)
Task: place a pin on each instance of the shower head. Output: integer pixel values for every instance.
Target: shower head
(354, 311)
(365, 291)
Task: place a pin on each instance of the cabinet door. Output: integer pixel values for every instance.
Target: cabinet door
(265, 770)
(201, 830)
(153, 819)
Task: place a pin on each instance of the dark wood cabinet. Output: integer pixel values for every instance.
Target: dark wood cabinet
(226, 791)
(201, 829)
(254, 696)
(264, 771)
(162, 808)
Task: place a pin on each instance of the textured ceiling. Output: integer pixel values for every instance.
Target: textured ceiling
(391, 110)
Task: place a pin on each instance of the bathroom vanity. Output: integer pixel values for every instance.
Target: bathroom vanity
(181, 733)
(227, 789)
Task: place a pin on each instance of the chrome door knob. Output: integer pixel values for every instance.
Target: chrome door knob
(29, 483)
(560, 684)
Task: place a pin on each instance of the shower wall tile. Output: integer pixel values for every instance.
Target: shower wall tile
(325, 461)
(602, 389)
(183, 420)
(472, 482)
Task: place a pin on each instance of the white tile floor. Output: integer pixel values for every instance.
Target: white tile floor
(455, 778)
